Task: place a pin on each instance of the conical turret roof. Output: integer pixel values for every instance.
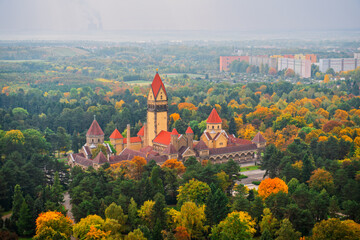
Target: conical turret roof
(95, 129)
(214, 117)
(116, 134)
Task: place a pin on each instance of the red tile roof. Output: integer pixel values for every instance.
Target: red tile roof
(95, 129)
(239, 141)
(164, 137)
(133, 140)
(232, 149)
(128, 154)
(259, 138)
(116, 134)
(146, 149)
(100, 158)
(83, 161)
(157, 84)
(174, 132)
(141, 132)
(214, 117)
(189, 130)
(170, 149)
(201, 146)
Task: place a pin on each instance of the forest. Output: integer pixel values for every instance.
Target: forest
(311, 188)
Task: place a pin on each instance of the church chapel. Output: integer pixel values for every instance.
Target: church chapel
(155, 142)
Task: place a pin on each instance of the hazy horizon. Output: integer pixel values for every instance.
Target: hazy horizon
(206, 19)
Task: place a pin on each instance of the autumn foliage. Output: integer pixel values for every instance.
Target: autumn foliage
(320, 179)
(174, 164)
(53, 225)
(130, 169)
(272, 186)
(186, 105)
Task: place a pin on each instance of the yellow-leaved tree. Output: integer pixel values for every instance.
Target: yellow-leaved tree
(237, 225)
(145, 212)
(191, 217)
(51, 225)
(82, 228)
(194, 191)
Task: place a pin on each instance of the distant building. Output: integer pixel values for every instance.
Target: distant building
(225, 61)
(357, 55)
(259, 60)
(301, 67)
(263, 60)
(339, 64)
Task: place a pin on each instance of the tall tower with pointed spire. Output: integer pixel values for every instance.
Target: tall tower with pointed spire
(157, 109)
(94, 135)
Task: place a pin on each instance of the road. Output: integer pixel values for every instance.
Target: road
(253, 175)
(6, 216)
(68, 206)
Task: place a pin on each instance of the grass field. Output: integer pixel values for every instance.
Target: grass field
(174, 75)
(139, 82)
(249, 168)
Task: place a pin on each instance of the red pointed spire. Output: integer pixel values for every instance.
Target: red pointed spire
(214, 117)
(116, 134)
(141, 131)
(157, 84)
(189, 130)
(95, 129)
(174, 132)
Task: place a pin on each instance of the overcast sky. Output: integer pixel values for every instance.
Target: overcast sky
(229, 15)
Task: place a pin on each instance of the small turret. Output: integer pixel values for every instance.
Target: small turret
(190, 137)
(174, 138)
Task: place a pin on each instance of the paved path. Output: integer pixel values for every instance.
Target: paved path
(68, 206)
(253, 175)
(6, 216)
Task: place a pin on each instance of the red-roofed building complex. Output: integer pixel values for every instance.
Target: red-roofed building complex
(155, 142)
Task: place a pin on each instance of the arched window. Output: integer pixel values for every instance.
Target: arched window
(92, 140)
(218, 127)
(98, 140)
(213, 127)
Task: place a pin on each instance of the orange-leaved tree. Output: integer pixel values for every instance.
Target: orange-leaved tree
(95, 234)
(174, 164)
(174, 117)
(51, 225)
(320, 179)
(326, 78)
(139, 162)
(272, 186)
(186, 105)
(181, 233)
(131, 169)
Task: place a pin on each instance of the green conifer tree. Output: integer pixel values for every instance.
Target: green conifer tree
(17, 202)
(25, 224)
